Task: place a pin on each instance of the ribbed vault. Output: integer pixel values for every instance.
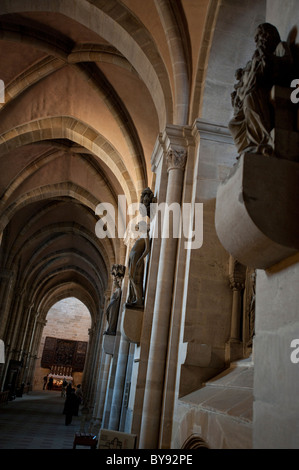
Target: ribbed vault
(89, 87)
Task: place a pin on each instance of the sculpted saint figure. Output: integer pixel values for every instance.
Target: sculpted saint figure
(112, 311)
(140, 250)
(253, 118)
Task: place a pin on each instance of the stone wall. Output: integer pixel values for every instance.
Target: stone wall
(276, 407)
(67, 319)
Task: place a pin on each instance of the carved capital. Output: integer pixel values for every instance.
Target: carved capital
(176, 159)
(237, 274)
(236, 285)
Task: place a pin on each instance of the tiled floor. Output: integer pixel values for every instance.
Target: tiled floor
(36, 421)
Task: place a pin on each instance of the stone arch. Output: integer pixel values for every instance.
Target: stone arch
(194, 442)
(180, 71)
(202, 62)
(42, 161)
(223, 55)
(107, 27)
(65, 290)
(65, 127)
(107, 254)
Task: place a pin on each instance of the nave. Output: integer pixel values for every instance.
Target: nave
(36, 421)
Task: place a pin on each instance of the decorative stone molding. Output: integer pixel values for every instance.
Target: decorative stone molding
(256, 215)
(237, 274)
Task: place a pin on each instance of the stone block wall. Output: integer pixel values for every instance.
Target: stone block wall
(276, 407)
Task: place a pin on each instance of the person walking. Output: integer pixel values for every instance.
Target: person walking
(45, 382)
(50, 383)
(70, 407)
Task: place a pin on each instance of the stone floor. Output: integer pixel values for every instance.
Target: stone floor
(36, 421)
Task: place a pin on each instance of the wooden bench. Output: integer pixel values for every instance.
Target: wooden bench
(83, 439)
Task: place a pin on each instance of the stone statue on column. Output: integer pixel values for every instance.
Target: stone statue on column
(138, 253)
(112, 311)
(253, 119)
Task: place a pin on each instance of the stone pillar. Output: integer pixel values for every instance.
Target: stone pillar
(88, 369)
(7, 280)
(115, 346)
(12, 329)
(104, 376)
(24, 330)
(101, 380)
(174, 147)
(23, 341)
(118, 389)
(37, 326)
(237, 277)
(14, 319)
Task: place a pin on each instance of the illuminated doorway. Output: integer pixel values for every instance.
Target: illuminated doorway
(63, 346)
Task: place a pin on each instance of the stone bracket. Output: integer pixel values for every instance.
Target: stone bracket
(132, 324)
(256, 214)
(108, 344)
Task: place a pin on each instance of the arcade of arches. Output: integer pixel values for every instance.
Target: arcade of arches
(188, 347)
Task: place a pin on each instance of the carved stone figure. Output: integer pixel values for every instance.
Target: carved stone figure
(253, 118)
(139, 251)
(118, 272)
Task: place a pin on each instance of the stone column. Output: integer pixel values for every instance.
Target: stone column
(118, 389)
(7, 279)
(104, 376)
(88, 368)
(35, 338)
(101, 379)
(12, 329)
(237, 274)
(237, 277)
(149, 434)
(23, 330)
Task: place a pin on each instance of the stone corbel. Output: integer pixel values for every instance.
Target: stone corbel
(131, 327)
(256, 214)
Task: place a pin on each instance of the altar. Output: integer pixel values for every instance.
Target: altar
(58, 380)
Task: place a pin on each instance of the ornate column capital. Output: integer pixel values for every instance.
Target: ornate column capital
(176, 159)
(237, 274)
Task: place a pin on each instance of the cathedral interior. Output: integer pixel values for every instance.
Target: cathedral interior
(149, 156)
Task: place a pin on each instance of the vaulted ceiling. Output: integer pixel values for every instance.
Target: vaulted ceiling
(89, 85)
